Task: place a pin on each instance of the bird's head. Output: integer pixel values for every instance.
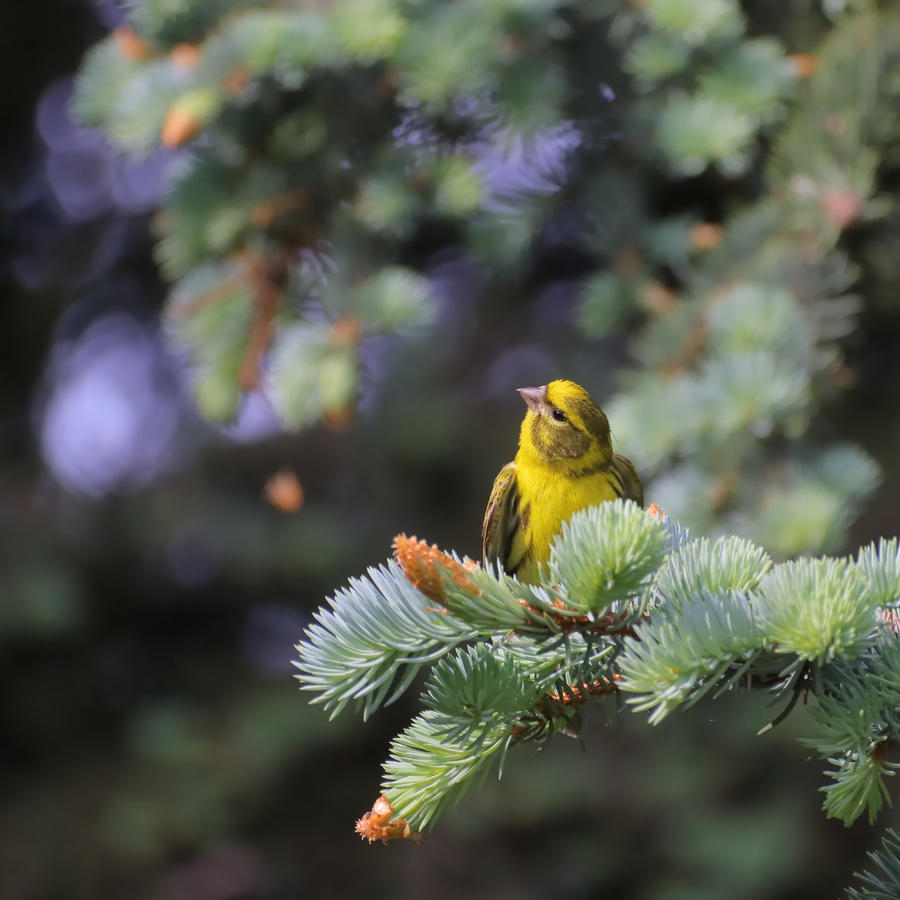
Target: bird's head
(564, 426)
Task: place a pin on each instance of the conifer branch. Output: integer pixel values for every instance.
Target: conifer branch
(511, 663)
(884, 882)
(368, 646)
(738, 351)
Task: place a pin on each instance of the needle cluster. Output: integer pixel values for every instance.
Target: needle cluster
(631, 607)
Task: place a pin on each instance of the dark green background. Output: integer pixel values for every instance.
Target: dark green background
(152, 740)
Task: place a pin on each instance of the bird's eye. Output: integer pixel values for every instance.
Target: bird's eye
(558, 414)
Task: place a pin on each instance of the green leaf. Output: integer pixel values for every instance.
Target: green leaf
(693, 131)
(215, 390)
(759, 317)
(850, 710)
(607, 554)
(143, 101)
(427, 772)
(884, 882)
(479, 689)
(708, 641)
(495, 604)
(818, 609)
(208, 316)
(575, 658)
(880, 566)
(284, 42)
(177, 21)
(858, 787)
(394, 298)
(458, 188)
(103, 72)
(529, 105)
(696, 21)
(293, 378)
(801, 517)
(728, 564)
(756, 390)
(450, 52)
(337, 379)
(385, 203)
(372, 640)
(754, 78)
(657, 55)
(368, 29)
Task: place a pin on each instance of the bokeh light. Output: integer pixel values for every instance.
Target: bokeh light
(111, 413)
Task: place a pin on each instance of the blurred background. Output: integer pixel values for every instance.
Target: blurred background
(272, 309)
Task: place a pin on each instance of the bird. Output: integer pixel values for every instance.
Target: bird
(565, 462)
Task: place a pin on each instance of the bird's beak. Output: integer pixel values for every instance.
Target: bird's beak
(534, 397)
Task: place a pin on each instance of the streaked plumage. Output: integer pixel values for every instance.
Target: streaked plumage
(565, 463)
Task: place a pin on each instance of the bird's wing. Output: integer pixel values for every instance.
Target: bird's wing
(501, 518)
(628, 476)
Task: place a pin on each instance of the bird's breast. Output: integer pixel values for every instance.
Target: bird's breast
(547, 499)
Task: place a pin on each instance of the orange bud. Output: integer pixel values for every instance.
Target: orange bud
(804, 65)
(377, 824)
(185, 56)
(188, 115)
(130, 45)
(705, 235)
(346, 330)
(655, 511)
(284, 491)
(181, 125)
(420, 562)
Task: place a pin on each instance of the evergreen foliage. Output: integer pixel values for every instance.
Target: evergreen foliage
(274, 178)
(630, 606)
(312, 147)
(296, 223)
(620, 549)
(885, 885)
(742, 355)
(376, 632)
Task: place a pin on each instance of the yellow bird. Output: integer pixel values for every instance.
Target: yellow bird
(565, 463)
